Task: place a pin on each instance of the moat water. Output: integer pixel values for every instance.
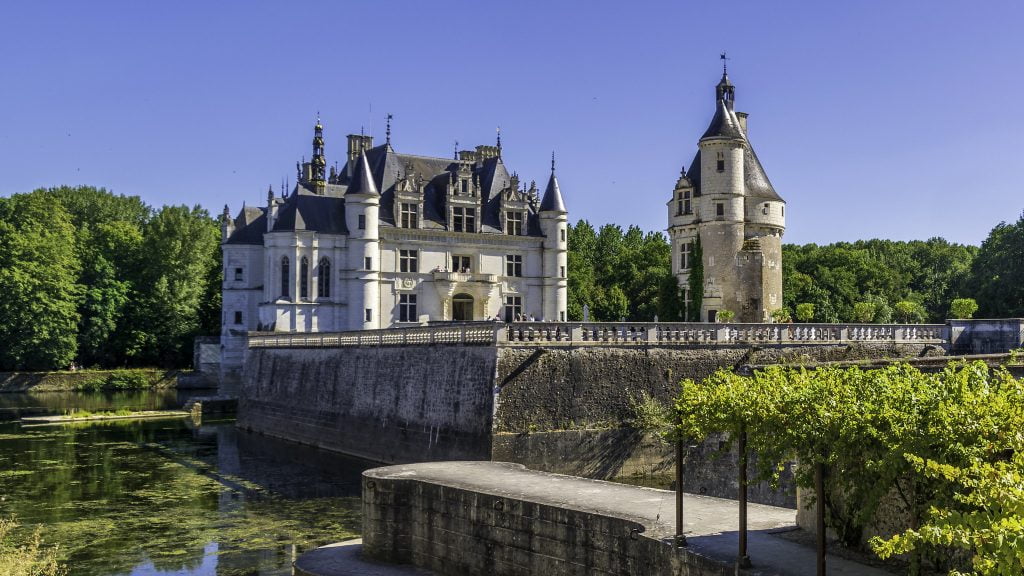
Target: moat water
(169, 497)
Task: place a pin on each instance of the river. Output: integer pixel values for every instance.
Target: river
(168, 497)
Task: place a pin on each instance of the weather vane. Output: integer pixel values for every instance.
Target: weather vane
(725, 62)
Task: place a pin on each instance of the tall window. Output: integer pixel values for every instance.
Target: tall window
(407, 308)
(284, 276)
(238, 274)
(721, 162)
(685, 256)
(514, 265)
(304, 278)
(410, 215)
(687, 209)
(408, 261)
(719, 209)
(461, 264)
(514, 223)
(323, 279)
(362, 221)
(463, 219)
(238, 316)
(513, 308)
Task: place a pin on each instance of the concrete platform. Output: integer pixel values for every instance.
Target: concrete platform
(710, 523)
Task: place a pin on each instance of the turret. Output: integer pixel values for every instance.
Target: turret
(362, 209)
(318, 164)
(553, 224)
(227, 225)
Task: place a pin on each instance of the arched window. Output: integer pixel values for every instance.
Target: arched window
(304, 278)
(284, 276)
(323, 279)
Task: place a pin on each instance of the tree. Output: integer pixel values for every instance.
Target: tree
(911, 312)
(181, 246)
(726, 316)
(38, 272)
(864, 312)
(781, 316)
(805, 312)
(963, 307)
(997, 274)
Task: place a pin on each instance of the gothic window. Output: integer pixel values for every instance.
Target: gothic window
(410, 215)
(284, 276)
(362, 221)
(514, 223)
(461, 264)
(685, 255)
(238, 317)
(304, 278)
(408, 260)
(464, 219)
(513, 308)
(721, 162)
(238, 274)
(323, 279)
(514, 265)
(407, 308)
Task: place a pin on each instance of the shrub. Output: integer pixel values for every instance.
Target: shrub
(963, 308)
(28, 559)
(781, 316)
(805, 312)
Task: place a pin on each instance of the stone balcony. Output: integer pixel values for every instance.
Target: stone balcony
(464, 277)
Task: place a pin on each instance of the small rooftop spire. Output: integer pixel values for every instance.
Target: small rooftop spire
(387, 133)
(456, 149)
(552, 161)
(725, 64)
(499, 141)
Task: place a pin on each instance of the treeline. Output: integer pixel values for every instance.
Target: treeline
(98, 279)
(628, 275)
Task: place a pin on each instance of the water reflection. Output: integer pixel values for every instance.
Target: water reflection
(167, 497)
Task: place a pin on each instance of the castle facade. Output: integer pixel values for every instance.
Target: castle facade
(726, 219)
(394, 239)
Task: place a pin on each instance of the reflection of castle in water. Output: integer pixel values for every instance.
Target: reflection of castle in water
(254, 467)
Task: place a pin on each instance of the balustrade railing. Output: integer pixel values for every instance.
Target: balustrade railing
(608, 333)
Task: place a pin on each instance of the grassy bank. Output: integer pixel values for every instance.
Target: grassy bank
(89, 380)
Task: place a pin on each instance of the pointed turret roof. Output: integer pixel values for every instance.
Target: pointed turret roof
(362, 180)
(552, 200)
(724, 124)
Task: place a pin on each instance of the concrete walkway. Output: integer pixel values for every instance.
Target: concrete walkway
(343, 559)
(710, 523)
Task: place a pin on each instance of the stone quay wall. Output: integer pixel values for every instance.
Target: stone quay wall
(455, 531)
(385, 404)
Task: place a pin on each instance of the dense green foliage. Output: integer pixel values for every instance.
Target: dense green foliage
(103, 280)
(620, 275)
(28, 559)
(942, 450)
(877, 275)
(997, 276)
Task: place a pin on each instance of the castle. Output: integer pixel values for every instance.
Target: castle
(725, 223)
(394, 239)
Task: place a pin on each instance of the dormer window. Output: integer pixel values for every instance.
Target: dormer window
(465, 187)
(721, 162)
(514, 223)
(410, 215)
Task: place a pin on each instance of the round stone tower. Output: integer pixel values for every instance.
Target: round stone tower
(725, 210)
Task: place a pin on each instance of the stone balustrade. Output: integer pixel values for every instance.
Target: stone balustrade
(608, 334)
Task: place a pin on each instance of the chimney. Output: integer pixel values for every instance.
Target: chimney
(357, 143)
(742, 117)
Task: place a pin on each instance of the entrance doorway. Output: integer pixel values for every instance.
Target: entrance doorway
(462, 308)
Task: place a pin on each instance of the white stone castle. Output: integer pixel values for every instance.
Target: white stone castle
(726, 202)
(394, 239)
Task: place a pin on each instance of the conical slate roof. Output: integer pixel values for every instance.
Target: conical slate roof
(552, 200)
(724, 124)
(362, 180)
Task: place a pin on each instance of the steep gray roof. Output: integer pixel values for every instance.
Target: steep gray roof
(362, 179)
(724, 124)
(306, 210)
(552, 200)
(250, 224)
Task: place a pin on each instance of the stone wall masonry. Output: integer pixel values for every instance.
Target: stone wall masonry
(459, 531)
(385, 404)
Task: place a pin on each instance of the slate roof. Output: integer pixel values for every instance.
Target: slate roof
(552, 200)
(306, 210)
(250, 225)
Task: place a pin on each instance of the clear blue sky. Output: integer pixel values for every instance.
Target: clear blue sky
(881, 119)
